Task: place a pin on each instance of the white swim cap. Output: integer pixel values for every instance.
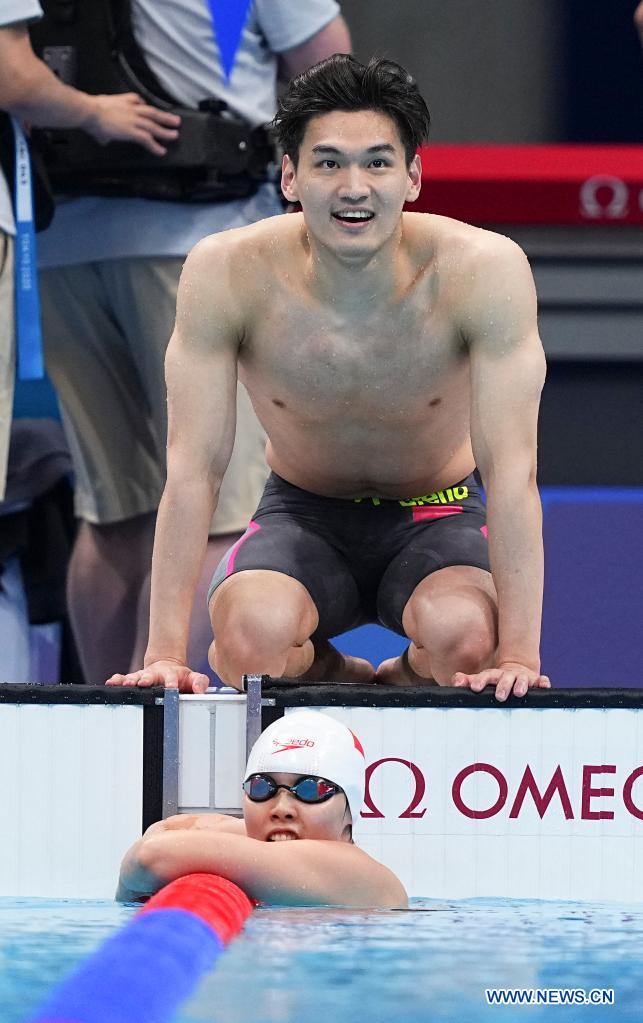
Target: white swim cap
(309, 742)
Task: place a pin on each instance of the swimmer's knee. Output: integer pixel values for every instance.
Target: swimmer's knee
(262, 622)
(231, 660)
(263, 596)
(255, 629)
(470, 650)
(254, 643)
(454, 632)
(470, 653)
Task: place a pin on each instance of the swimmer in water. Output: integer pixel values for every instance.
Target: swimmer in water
(388, 355)
(303, 788)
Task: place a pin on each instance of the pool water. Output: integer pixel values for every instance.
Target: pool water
(433, 962)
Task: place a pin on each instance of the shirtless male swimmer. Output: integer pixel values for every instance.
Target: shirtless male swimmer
(387, 354)
(304, 786)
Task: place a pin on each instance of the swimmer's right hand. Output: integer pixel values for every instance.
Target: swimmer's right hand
(171, 674)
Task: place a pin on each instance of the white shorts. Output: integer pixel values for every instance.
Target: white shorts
(106, 326)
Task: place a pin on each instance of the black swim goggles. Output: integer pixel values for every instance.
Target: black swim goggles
(307, 789)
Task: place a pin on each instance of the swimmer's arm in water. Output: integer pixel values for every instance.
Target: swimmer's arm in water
(301, 872)
(507, 376)
(201, 375)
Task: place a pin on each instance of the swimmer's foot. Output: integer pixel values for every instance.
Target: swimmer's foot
(396, 671)
(332, 666)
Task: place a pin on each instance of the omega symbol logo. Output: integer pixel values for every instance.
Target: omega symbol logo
(604, 197)
(420, 788)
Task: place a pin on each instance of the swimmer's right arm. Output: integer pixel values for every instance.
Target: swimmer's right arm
(201, 376)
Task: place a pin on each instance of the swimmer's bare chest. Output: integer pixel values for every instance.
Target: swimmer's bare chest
(375, 406)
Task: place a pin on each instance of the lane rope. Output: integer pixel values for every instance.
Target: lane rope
(153, 963)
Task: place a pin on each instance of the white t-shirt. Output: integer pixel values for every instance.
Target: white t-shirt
(11, 13)
(177, 37)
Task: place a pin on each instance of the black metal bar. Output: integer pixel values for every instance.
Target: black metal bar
(344, 694)
(112, 695)
(252, 686)
(152, 767)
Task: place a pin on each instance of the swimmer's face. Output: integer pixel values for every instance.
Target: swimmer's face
(352, 180)
(285, 818)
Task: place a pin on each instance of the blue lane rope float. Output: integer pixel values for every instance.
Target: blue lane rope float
(150, 966)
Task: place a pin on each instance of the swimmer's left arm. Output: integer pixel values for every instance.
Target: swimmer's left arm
(507, 376)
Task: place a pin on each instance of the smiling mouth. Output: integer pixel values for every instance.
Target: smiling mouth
(282, 836)
(354, 218)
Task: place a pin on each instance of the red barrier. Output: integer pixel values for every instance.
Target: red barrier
(509, 184)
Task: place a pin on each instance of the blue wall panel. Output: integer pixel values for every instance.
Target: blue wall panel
(593, 607)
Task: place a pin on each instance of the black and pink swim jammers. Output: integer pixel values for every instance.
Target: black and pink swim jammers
(360, 559)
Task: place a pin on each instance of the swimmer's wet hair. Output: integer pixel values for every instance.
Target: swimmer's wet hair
(341, 83)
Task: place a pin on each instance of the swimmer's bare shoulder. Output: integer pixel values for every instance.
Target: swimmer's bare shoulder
(224, 285)
(485, 278)
(462, 246)
(244, 260)
(475, 253)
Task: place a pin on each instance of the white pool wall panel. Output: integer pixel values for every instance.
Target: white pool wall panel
(212, 731)
(71, 797)
(71, 794)
(444, 853)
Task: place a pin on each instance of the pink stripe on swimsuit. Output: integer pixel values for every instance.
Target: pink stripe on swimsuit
(436, 513)
(252, 528)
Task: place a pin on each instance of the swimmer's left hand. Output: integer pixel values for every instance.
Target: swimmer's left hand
(508, 677)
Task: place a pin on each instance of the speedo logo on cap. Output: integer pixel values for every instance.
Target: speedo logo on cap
(292, 744)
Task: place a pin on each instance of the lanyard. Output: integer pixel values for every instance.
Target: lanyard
(28, 332)
(228, 19)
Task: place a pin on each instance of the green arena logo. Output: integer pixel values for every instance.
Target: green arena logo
(447, 496)
(440, 497)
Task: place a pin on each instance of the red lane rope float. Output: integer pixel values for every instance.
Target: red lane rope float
(146, 969)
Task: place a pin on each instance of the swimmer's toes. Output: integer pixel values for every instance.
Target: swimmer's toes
(356, 669)
(330, 665)
(396, 671)
(393, 672)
